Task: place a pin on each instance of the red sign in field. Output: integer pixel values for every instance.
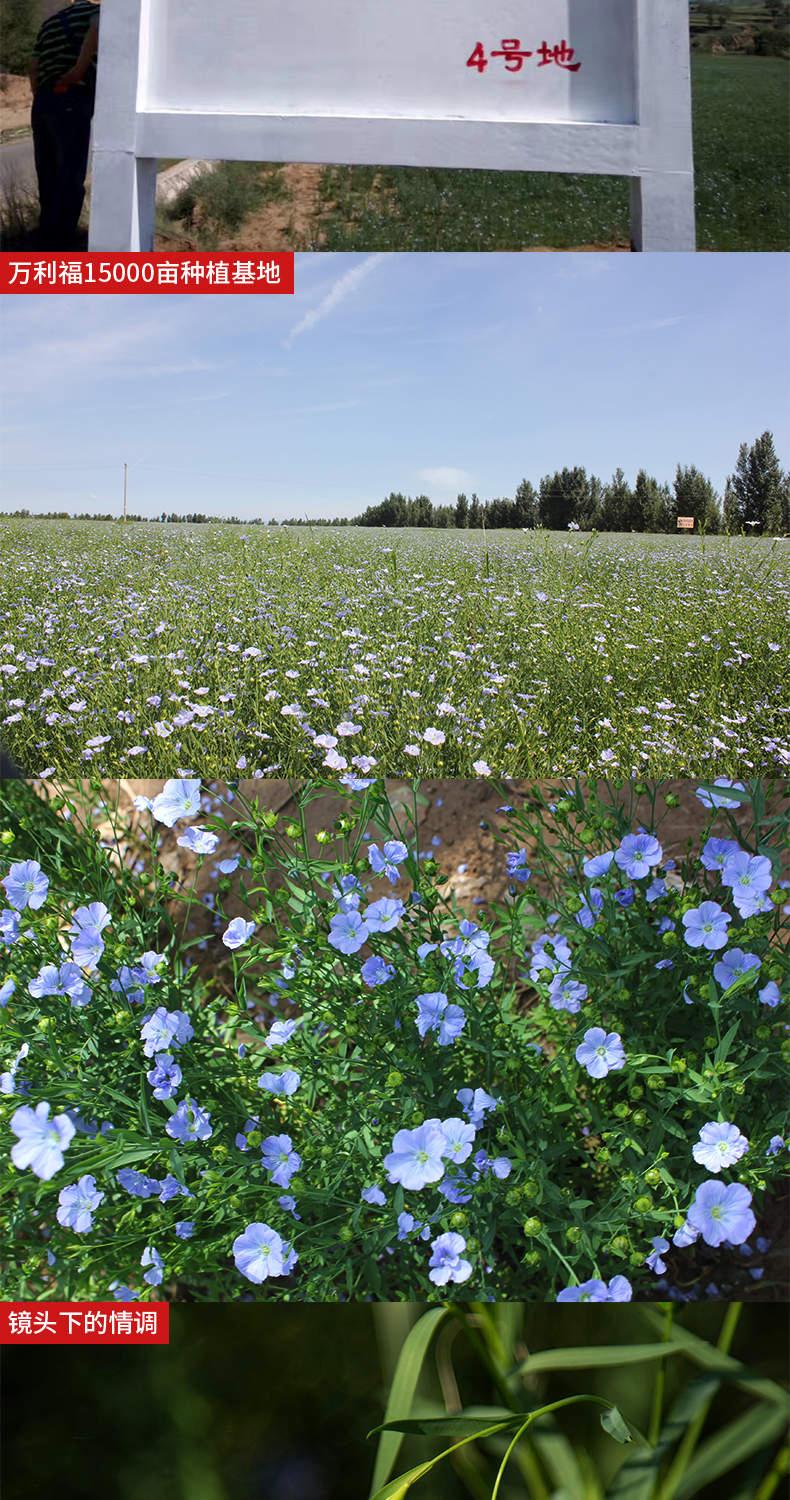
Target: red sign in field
(84, 1323)
(201, 271)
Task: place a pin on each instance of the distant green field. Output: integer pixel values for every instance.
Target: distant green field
(140, 648)
(741, 119)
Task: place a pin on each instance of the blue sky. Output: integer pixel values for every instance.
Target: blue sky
(419, 373)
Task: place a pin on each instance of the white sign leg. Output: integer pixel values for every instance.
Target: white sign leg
(123, 202)
(663, 211)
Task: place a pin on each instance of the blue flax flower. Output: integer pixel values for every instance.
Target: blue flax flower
(26, 885)
(706, 926)
(189, 1123)
(435, 1013)
(77, 1205)
(260, 1252)
(617, 1290)
(178, 799)
(279, 1159)
(720, 1145)
(446, 1262)
(638, 855)
(600, 1053)
(722, 1212)
(417, 1156)
(41, 1142)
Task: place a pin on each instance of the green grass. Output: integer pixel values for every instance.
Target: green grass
(217, 202)
(146, 647)
(741, 118)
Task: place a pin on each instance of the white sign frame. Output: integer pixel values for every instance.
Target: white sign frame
(655, 153)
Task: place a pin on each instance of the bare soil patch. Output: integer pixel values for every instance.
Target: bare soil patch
(15, 103)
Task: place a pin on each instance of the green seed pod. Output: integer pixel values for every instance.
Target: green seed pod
(640, 1118)
(644, 1204)
(574, 1235)
(532, 1227)
(653, 1177)
(394, 1079)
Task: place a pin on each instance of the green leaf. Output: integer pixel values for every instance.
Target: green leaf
(614, 1423)
(558, 1457)
(708, 1357)
(731, 1446)
(463, 1425)
(397, 1488)
(404, 1384)
(596, 1358)
(723, 1049)
(636, 1480)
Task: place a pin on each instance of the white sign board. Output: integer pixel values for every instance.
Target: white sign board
(594, 86)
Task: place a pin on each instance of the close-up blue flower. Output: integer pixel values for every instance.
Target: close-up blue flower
(41, 1141)
(706, 926)
(600, 1052)
(78, 1203)
(720, 1145)
(722, 1211)
(26, 886)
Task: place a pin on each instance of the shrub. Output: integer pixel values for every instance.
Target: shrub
(352, 1090)
(217, 202)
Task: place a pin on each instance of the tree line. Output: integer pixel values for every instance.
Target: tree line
(756, 500)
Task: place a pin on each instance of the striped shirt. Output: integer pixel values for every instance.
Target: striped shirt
(60, 40)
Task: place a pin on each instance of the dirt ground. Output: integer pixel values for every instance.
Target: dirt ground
(14, 103)
(295, 222)
(457, 820)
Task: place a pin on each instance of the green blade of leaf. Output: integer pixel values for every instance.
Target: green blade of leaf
(730, 1446)
(636, 1480)
(594, 1358)
(463, 1425)
(402, 1388)
(559, 1459)
(397, 1488)
(708, 1357)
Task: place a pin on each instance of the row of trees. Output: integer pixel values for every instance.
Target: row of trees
(756, 498)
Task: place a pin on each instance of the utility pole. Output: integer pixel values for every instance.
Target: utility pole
(125, 487)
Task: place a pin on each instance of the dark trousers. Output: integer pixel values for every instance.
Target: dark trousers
(61, 142)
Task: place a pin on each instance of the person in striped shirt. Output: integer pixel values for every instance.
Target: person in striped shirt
(63, 79)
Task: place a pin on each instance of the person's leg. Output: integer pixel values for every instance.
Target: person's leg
(45, 150)
(76, 148)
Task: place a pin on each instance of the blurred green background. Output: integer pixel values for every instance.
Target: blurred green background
(258, 1402)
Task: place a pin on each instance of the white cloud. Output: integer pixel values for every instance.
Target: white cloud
(444, 478)
(339, 292)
